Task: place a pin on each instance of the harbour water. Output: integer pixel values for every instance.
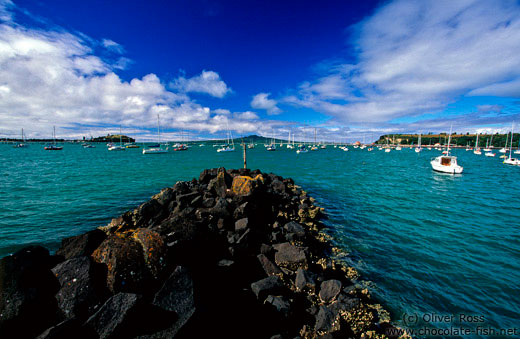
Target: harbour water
(428, 243)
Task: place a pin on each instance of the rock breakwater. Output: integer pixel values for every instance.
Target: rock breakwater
(236, 253)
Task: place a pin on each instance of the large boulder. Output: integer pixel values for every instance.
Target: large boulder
(165, 196)
(329, 290)
(82, 287)
(290, 256)
(327, 320)
(112, 317)
(148, 213)
(245, 185)
(126, 268)
(27, 289)
(269, 267)
(221, 184)
(305, 281)
(176, 295)
(154, 250)
(81, 245)
(270, 285)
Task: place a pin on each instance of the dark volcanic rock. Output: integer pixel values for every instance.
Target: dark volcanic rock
(241, 224)
(82, 287)
(208, 174)
(83, 244)
(305, 279)
(269, 267)
(154, 250)
(329, 290)
(127, 270)
(184, 199)
(294, 227)
(221, 184)
(270, 285)
(111, 317)
(27, 288)
(148, 213)
(326, 320)
(280, 304)
(176, 295)
(290, 256)
(165, 196)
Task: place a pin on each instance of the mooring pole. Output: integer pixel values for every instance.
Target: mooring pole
(245, 160)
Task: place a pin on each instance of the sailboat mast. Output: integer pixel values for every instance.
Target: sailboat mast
(511, 143)
(449, 140)
(54, 134)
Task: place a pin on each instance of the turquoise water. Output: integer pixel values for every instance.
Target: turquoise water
(428, 242)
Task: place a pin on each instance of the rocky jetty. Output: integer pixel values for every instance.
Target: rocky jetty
(236, 253)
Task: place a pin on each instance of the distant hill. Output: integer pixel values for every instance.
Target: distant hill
(498, 140)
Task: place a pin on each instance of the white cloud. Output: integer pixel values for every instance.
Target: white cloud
(208, 82)
(262, 101)
(54, 78)
(417, 56)
(246, 115)
(5, 13)
(112, 46)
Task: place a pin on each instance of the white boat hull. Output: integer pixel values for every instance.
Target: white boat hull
(154, 151)
(446, 166)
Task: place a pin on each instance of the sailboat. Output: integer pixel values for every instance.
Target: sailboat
(488, 145)
(226, 147)
(301, 146)
(120, 147)
(53, 147)
(158, 149)
(22, 144)
(504, 149)
(289, 144)
(419, 148)
(477, 149)
(510, 160)
(488, 150)
(446, 163)
(272, 146)
(314, 147)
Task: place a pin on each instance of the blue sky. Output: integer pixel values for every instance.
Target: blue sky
(348, 68)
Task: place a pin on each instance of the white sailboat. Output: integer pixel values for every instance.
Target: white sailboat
(272, 147)
(120, 147)
(418, 148)
(53, 146)
(21, 144)
(488, 150)
(159, 149)
(289, 144)
(477, 149)
(510, 160)
(504, 149)
(446, 163)
(227, 147)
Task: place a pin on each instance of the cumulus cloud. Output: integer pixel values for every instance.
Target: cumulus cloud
(246, 115)
(53, 77)
(262, 101)
(207, 82)
(415, 57)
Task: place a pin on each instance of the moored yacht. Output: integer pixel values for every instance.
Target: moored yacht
(446, 163)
